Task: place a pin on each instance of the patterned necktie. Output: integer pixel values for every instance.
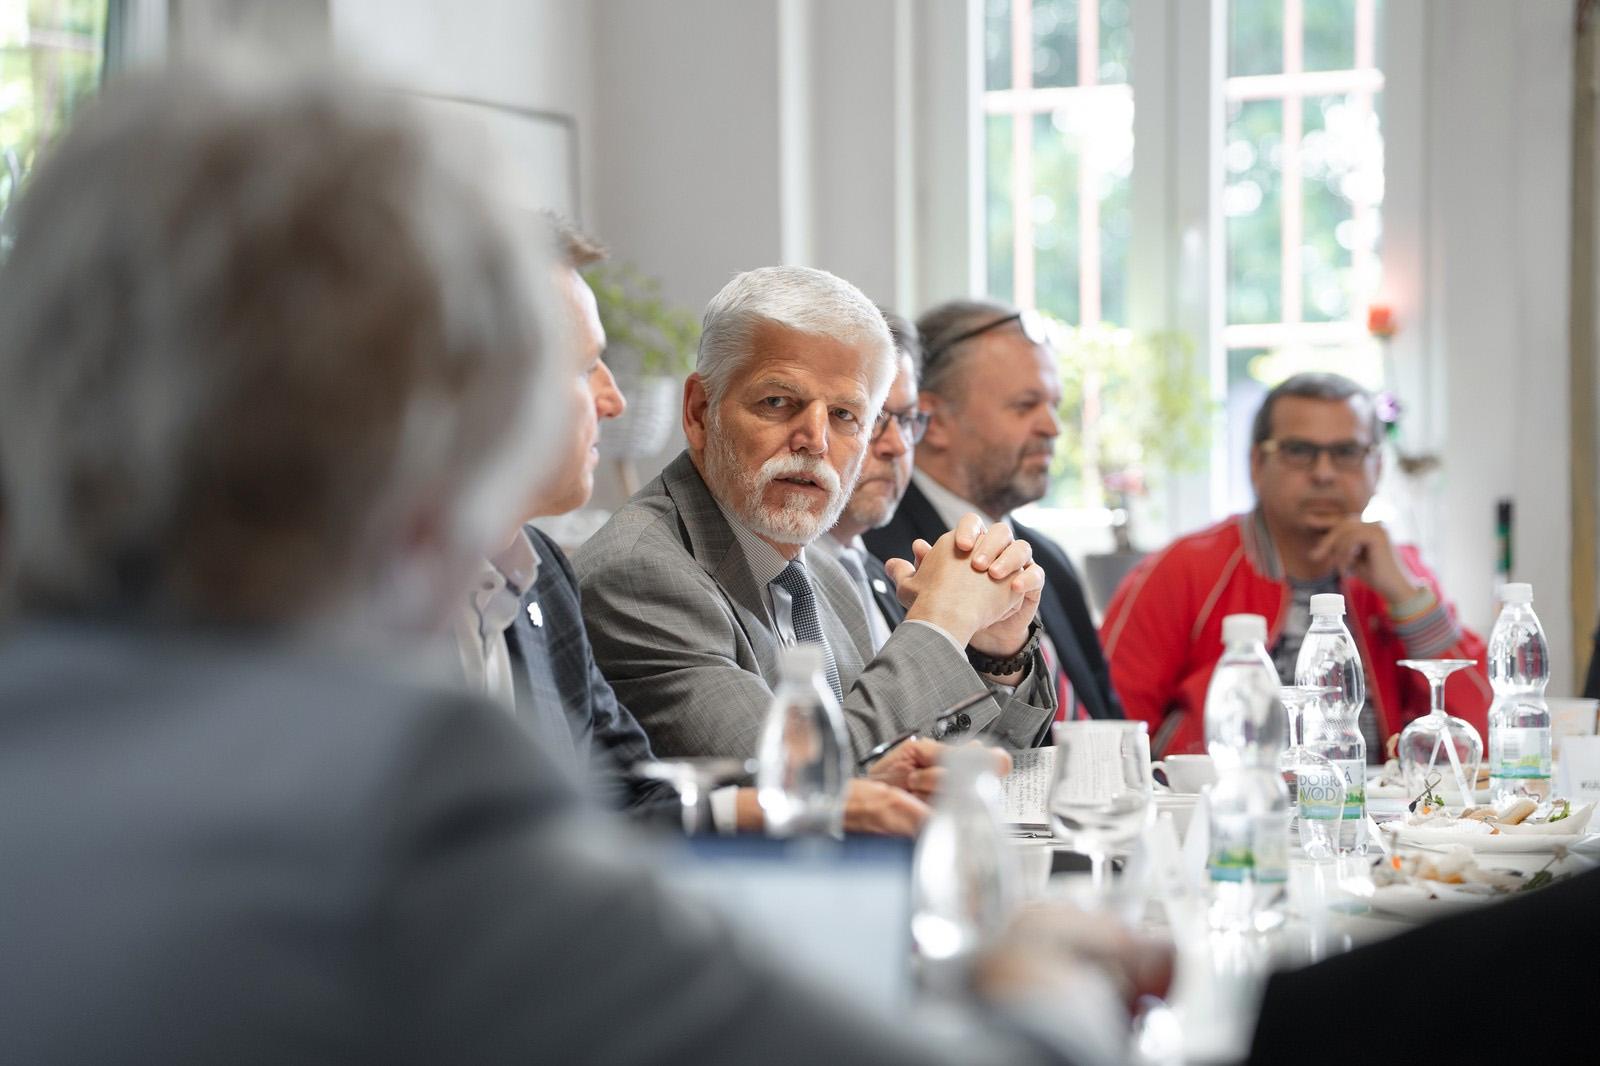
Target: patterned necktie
(803, 612)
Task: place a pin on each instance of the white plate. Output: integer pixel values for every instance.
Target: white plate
(1451, 797)
(1524, 842)
(1419, 904)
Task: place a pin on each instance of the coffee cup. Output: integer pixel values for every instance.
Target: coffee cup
(1184, 773)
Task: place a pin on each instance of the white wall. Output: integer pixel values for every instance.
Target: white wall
(734, 134)
(523, 53)
(1498, 169)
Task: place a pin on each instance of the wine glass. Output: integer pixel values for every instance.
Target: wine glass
(1100, 799)
(1299, 761)
(695, 779)
(1422, 740)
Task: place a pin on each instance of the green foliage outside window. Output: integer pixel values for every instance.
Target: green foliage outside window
(51, 56)
(1150, 411)
(639, 324)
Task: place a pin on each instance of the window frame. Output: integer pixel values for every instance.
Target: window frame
(1177, 256)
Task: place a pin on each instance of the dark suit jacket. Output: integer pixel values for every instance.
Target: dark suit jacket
(1550, 938)
(883, 591)
(243, 850)
(1063, 608)
(564, 699)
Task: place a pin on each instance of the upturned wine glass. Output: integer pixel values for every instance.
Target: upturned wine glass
(1439, 736)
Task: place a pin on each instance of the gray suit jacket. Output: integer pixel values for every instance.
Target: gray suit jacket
(238, 851)
(681, 631)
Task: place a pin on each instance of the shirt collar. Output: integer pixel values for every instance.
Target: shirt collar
(950, 506)
(1258, 547)
(828, 545)
(765, 561)
(500, 583)
(517, 563)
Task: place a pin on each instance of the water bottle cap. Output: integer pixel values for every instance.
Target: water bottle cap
(800, 660)
(1242, 627)
(1324, 604)
(1517, 592)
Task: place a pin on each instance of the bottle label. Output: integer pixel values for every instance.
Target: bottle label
(1249, 848)
(1319, 792)
(1519, 753)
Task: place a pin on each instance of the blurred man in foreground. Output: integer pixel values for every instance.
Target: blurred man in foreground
(1314, 461)
(693, 587)
(272, 379)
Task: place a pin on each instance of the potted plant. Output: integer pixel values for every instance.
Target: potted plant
(1132, 404)
(650, 347)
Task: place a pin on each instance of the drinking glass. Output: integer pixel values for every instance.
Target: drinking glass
(1100, 799)
(695, 779)
(1422, 741)
(1299, 761)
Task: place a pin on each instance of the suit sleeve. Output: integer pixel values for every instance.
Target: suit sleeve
(1145, 637)
(619, 742)
(1077, 607)
(670, 644)
(511, 927)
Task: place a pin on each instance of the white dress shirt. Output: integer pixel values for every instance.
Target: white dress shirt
(480, 624)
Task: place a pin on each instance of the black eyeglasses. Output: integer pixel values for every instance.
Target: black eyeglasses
(1034, 326)
(912, 424)
(1303, 454)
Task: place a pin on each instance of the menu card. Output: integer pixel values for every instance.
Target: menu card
(1579, 779)
(1026, 789)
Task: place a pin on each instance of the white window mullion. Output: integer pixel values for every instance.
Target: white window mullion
(1088, 177)
(1291, 191)
(1022, 274)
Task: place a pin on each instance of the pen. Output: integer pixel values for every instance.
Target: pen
(940, 729)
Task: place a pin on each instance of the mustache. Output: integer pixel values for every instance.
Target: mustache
(797, 464)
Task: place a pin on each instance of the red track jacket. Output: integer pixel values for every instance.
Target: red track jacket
(1163, 634)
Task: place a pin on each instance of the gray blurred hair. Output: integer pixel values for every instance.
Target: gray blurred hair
(1313, 385)
(252, 330)
(802, 299)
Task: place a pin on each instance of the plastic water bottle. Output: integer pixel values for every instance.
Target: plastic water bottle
(963, 881)
(802, 770)
(1246, 732)
(1519, 719)
(1329, 659)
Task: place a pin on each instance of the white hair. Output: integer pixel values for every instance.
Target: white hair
(802, 299)
(251, 330)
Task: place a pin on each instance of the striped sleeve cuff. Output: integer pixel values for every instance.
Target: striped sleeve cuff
(1430, 634)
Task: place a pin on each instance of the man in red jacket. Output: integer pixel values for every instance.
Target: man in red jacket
(1314, 463)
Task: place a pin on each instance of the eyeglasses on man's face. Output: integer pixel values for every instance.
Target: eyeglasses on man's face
(912, 424)
(1033, 325)
(1346, 455)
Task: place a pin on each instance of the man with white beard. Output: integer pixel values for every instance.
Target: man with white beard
(692, 588)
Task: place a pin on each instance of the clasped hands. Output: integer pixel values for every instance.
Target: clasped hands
(978, 584)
